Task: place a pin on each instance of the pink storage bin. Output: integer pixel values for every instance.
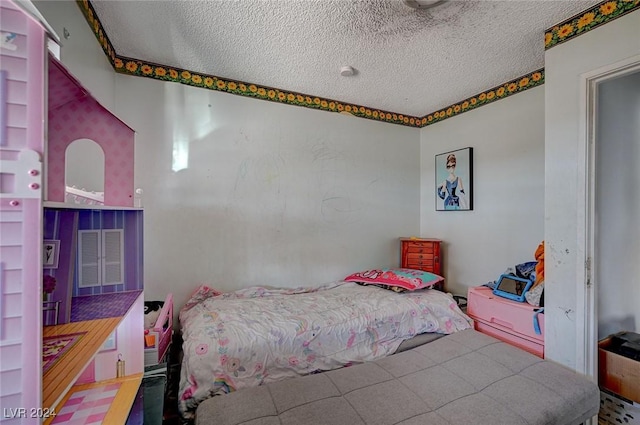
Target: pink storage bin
(510, 338)
(507, 320)
(161, 332)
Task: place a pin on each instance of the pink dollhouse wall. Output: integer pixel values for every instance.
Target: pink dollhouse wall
(74, 114)
(20, 217)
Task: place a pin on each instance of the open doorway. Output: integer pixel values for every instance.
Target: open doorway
(617, 204)
(611, 294)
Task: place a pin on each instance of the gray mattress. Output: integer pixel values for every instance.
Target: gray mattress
(464, 378)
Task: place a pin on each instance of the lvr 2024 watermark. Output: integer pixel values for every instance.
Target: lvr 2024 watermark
(22, 412)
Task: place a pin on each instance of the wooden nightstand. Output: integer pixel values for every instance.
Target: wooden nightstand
(421, 254)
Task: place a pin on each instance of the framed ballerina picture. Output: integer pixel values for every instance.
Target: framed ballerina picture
(454, 180)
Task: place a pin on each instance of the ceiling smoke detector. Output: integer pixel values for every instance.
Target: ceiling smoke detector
(423, 4)
(347, 71)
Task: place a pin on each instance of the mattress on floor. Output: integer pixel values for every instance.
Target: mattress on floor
(463, 378)
(418, 340)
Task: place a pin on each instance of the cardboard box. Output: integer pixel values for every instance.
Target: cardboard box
(618, 374)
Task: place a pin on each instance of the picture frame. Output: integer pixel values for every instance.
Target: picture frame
(454, 180)
(50, 253)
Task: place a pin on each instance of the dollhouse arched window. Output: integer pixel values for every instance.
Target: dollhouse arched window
(84, 173)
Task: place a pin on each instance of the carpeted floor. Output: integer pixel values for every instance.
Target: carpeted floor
(615, 410)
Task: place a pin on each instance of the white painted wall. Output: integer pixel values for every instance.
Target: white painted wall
(506, 224)
(618, 205)
(564, 65)
(80, 52)
(241, 192)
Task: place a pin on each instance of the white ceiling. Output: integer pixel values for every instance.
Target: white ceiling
(408, 61)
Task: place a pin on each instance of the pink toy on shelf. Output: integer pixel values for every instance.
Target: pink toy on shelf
(158, 337)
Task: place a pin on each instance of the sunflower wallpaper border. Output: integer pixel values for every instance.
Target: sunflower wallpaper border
(502, 91)
(92, 19)
(140, 68)
(592, 18)
(602, 13)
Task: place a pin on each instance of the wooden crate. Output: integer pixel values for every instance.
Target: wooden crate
(618, 374)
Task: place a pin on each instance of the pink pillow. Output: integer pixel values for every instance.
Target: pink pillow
(398, 280)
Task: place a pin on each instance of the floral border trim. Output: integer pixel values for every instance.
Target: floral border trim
(518, 85)
(96, 26)
(135, 67)
(594, 17)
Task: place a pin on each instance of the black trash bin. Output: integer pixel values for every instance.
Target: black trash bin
(154, 385)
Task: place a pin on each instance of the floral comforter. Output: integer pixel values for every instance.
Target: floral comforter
(259, 335)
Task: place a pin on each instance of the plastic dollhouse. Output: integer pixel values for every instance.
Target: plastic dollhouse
(83, 337)
(100, 244)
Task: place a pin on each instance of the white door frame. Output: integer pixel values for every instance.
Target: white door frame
(586, 293)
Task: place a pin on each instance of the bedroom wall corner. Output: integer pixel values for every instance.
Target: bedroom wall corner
(507, 221)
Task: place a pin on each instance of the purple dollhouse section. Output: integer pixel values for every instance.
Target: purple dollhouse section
(60, 225)
(102, 306)
(63, 224)
(131, 222)
(74, 114)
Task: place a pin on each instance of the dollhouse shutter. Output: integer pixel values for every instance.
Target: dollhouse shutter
(89, 258)
(101, 257)
(112, 257)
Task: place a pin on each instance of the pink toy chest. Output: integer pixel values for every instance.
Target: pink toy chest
(509, 321)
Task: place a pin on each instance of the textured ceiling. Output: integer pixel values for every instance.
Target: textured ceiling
(407, 61)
